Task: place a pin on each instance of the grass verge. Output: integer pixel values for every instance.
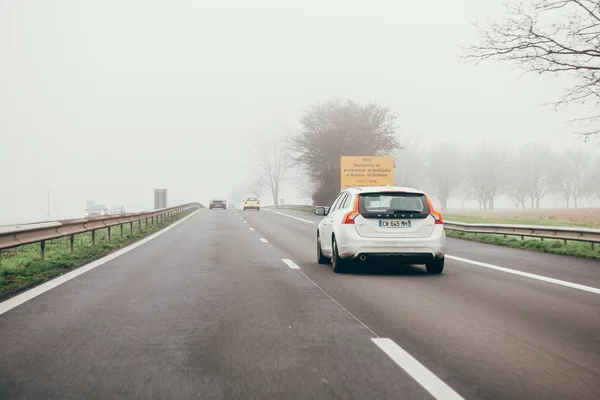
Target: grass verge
(571, 248)
(21, 267)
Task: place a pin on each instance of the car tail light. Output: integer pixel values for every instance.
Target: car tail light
(349, 217)
(436, 215)
(257, 201)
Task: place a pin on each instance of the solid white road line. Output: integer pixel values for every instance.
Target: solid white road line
(251, 229)
(290, 263)
(434, 385)
(36, 291)
(264, 240)
(527, 275)
(291, 216)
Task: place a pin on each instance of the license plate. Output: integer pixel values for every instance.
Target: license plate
(394, 223)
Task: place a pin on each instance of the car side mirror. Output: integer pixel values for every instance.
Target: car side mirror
(320, 211)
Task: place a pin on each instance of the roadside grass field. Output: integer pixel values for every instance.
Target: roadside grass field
(580, 218)
(571, 248)
(21, 267)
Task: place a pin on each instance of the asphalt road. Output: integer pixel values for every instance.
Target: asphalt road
(232, 305)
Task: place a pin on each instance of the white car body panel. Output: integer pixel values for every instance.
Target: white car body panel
(423, 238)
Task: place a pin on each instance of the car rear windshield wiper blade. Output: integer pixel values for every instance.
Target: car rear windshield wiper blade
(404, 212)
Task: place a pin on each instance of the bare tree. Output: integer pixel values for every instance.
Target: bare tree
(444, 171)
(579, 163)
(561, 182)
(486, 173)
(570, 175)
(556, 37)
(256, 187)
(336, 128)
(590, 188)
(531, 170)
(517, 187)
(410, 168)
(272, 160)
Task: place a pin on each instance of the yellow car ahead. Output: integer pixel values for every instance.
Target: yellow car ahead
(251, 203)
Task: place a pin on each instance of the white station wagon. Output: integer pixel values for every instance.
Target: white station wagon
(381, 223)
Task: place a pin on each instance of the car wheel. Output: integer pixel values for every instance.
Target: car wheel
(339, 264)
(321, 259)
(436, 266)
(258, 209)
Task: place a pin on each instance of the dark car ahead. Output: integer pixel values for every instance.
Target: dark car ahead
(217, 203)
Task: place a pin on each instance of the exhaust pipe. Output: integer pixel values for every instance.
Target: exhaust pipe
(362, 257)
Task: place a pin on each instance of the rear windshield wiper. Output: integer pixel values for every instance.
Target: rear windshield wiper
(403, 212)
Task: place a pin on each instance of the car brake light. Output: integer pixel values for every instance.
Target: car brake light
(351, 216)
(436, 215)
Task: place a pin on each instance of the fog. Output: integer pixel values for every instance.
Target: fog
(110, 100)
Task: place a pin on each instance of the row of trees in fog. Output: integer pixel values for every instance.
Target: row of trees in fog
(484, 172)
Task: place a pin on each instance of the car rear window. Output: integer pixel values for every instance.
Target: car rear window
(251, 198)
(392, 202)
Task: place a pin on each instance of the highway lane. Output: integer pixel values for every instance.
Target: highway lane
(206, 310)
(486, 333)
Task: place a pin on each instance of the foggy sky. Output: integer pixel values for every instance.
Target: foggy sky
(109, 100)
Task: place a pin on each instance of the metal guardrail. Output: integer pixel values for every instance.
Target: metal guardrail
(20, 235)
(543, 232)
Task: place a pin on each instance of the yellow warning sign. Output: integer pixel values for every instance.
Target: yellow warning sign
(367, 171)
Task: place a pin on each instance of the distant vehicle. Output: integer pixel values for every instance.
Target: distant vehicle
(97, 210)
(251, 203)
(376, 223)
(117, 210)
(217, 202)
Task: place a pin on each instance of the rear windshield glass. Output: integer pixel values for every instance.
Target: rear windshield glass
(392, 202)
(251, 198)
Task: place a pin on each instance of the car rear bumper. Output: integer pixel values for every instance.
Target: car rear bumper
(408, 250)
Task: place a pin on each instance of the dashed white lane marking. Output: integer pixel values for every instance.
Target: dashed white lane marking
(527, 275)
(434, 385)
(290, 263)
(251, 229)
(245, 222)
(36, 291)
(429, 381)
(291, 216)
(264, 240)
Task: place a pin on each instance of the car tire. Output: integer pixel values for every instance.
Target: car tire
(321, 259)
(340, 265)
(435, 266)
(244, 209)
(258, 209)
